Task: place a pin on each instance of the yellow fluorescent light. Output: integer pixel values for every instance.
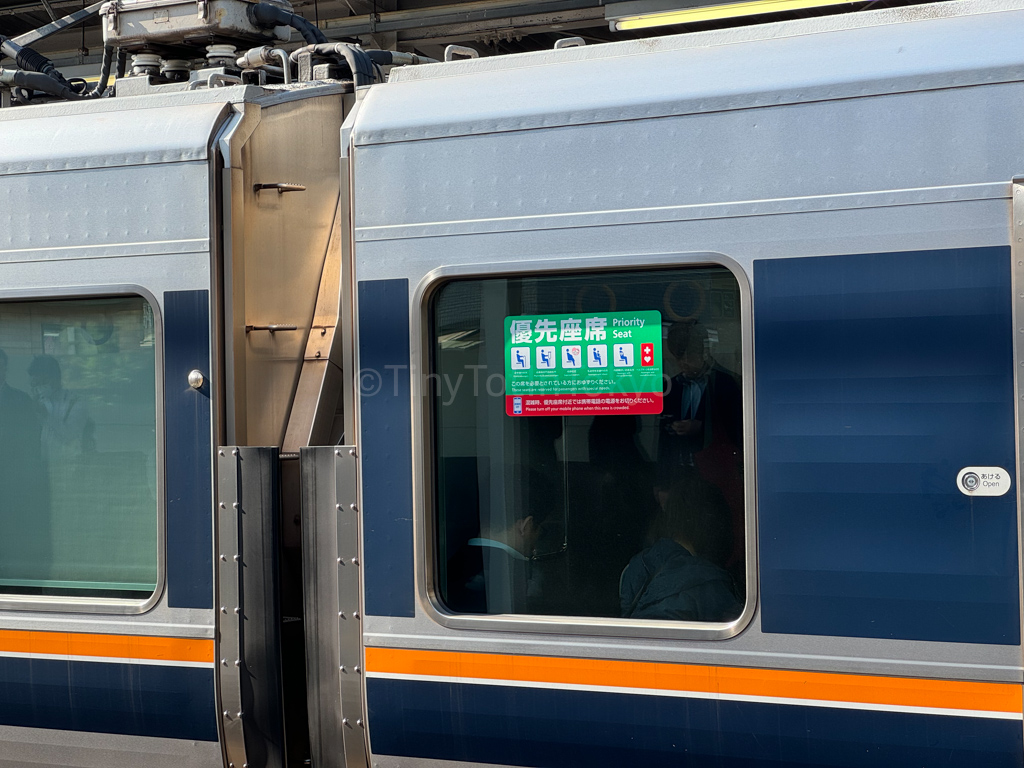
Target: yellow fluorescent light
(713, 12)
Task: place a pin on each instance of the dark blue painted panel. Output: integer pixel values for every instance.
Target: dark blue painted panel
(878, 377)
(133, 699)
(573, 729)
(386, 446)
(189, 455)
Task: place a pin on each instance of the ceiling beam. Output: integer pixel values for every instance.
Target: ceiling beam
(503, 28)
(488, 12)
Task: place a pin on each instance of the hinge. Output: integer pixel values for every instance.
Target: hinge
(110, 10)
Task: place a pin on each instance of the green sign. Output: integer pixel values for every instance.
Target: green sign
(583, 363)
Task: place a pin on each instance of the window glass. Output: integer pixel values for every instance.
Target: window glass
(78, 503)
(588, 448)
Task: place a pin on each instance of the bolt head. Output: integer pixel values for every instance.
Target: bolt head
(196, 379)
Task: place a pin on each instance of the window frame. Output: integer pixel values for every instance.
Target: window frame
(425, 518)
(111, 605)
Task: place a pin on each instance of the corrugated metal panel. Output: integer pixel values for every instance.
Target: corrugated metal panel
(76, 141)
(648, 79)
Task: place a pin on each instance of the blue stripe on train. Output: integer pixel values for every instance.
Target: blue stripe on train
(131, 699)
(386, 447)
(573, 729)
(880, 376)
(188, 451)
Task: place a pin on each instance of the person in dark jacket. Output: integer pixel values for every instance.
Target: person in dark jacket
(702, 425)
(493, 572)
(678, 577)
(702, 402)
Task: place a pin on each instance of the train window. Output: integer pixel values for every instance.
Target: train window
(78, 464)
(588, 445)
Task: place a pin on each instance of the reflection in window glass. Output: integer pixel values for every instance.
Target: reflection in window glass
(588, 445)
(78, 509)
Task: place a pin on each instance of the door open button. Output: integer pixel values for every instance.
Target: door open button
(983, 481)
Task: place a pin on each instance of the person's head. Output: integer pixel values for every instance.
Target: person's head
(535, 498)
(44, 375)
(3, 366)
(697, 517)
(688, 343)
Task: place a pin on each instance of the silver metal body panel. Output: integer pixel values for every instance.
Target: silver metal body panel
(795, 64)
(279, 243)
(333, 585)
(874, 133)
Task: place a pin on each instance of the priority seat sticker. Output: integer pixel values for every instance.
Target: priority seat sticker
(583, 363)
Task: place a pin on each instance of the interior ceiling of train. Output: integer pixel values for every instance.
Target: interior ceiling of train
(492, 27)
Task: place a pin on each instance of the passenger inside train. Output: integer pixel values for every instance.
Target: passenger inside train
(681, 576)
(588, 504)
(493, 572)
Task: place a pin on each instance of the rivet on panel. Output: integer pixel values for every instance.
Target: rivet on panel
(224, 558)
(234, 451)
(223, 609)
(357, 670)
(238, 610)
(236, 558)
(338, 507)
(359, 723)
(355, 561)
(341, 614)
(223, 505)
(351, 451)
(344, 721)
(355, 614)
(337, 453)
(238, 662)
(221, 453)
(353, 507)
(342, 668)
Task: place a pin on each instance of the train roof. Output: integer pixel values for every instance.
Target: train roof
(940, 45)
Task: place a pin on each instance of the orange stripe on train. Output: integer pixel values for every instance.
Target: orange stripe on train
(107, 646)
(736, 681)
